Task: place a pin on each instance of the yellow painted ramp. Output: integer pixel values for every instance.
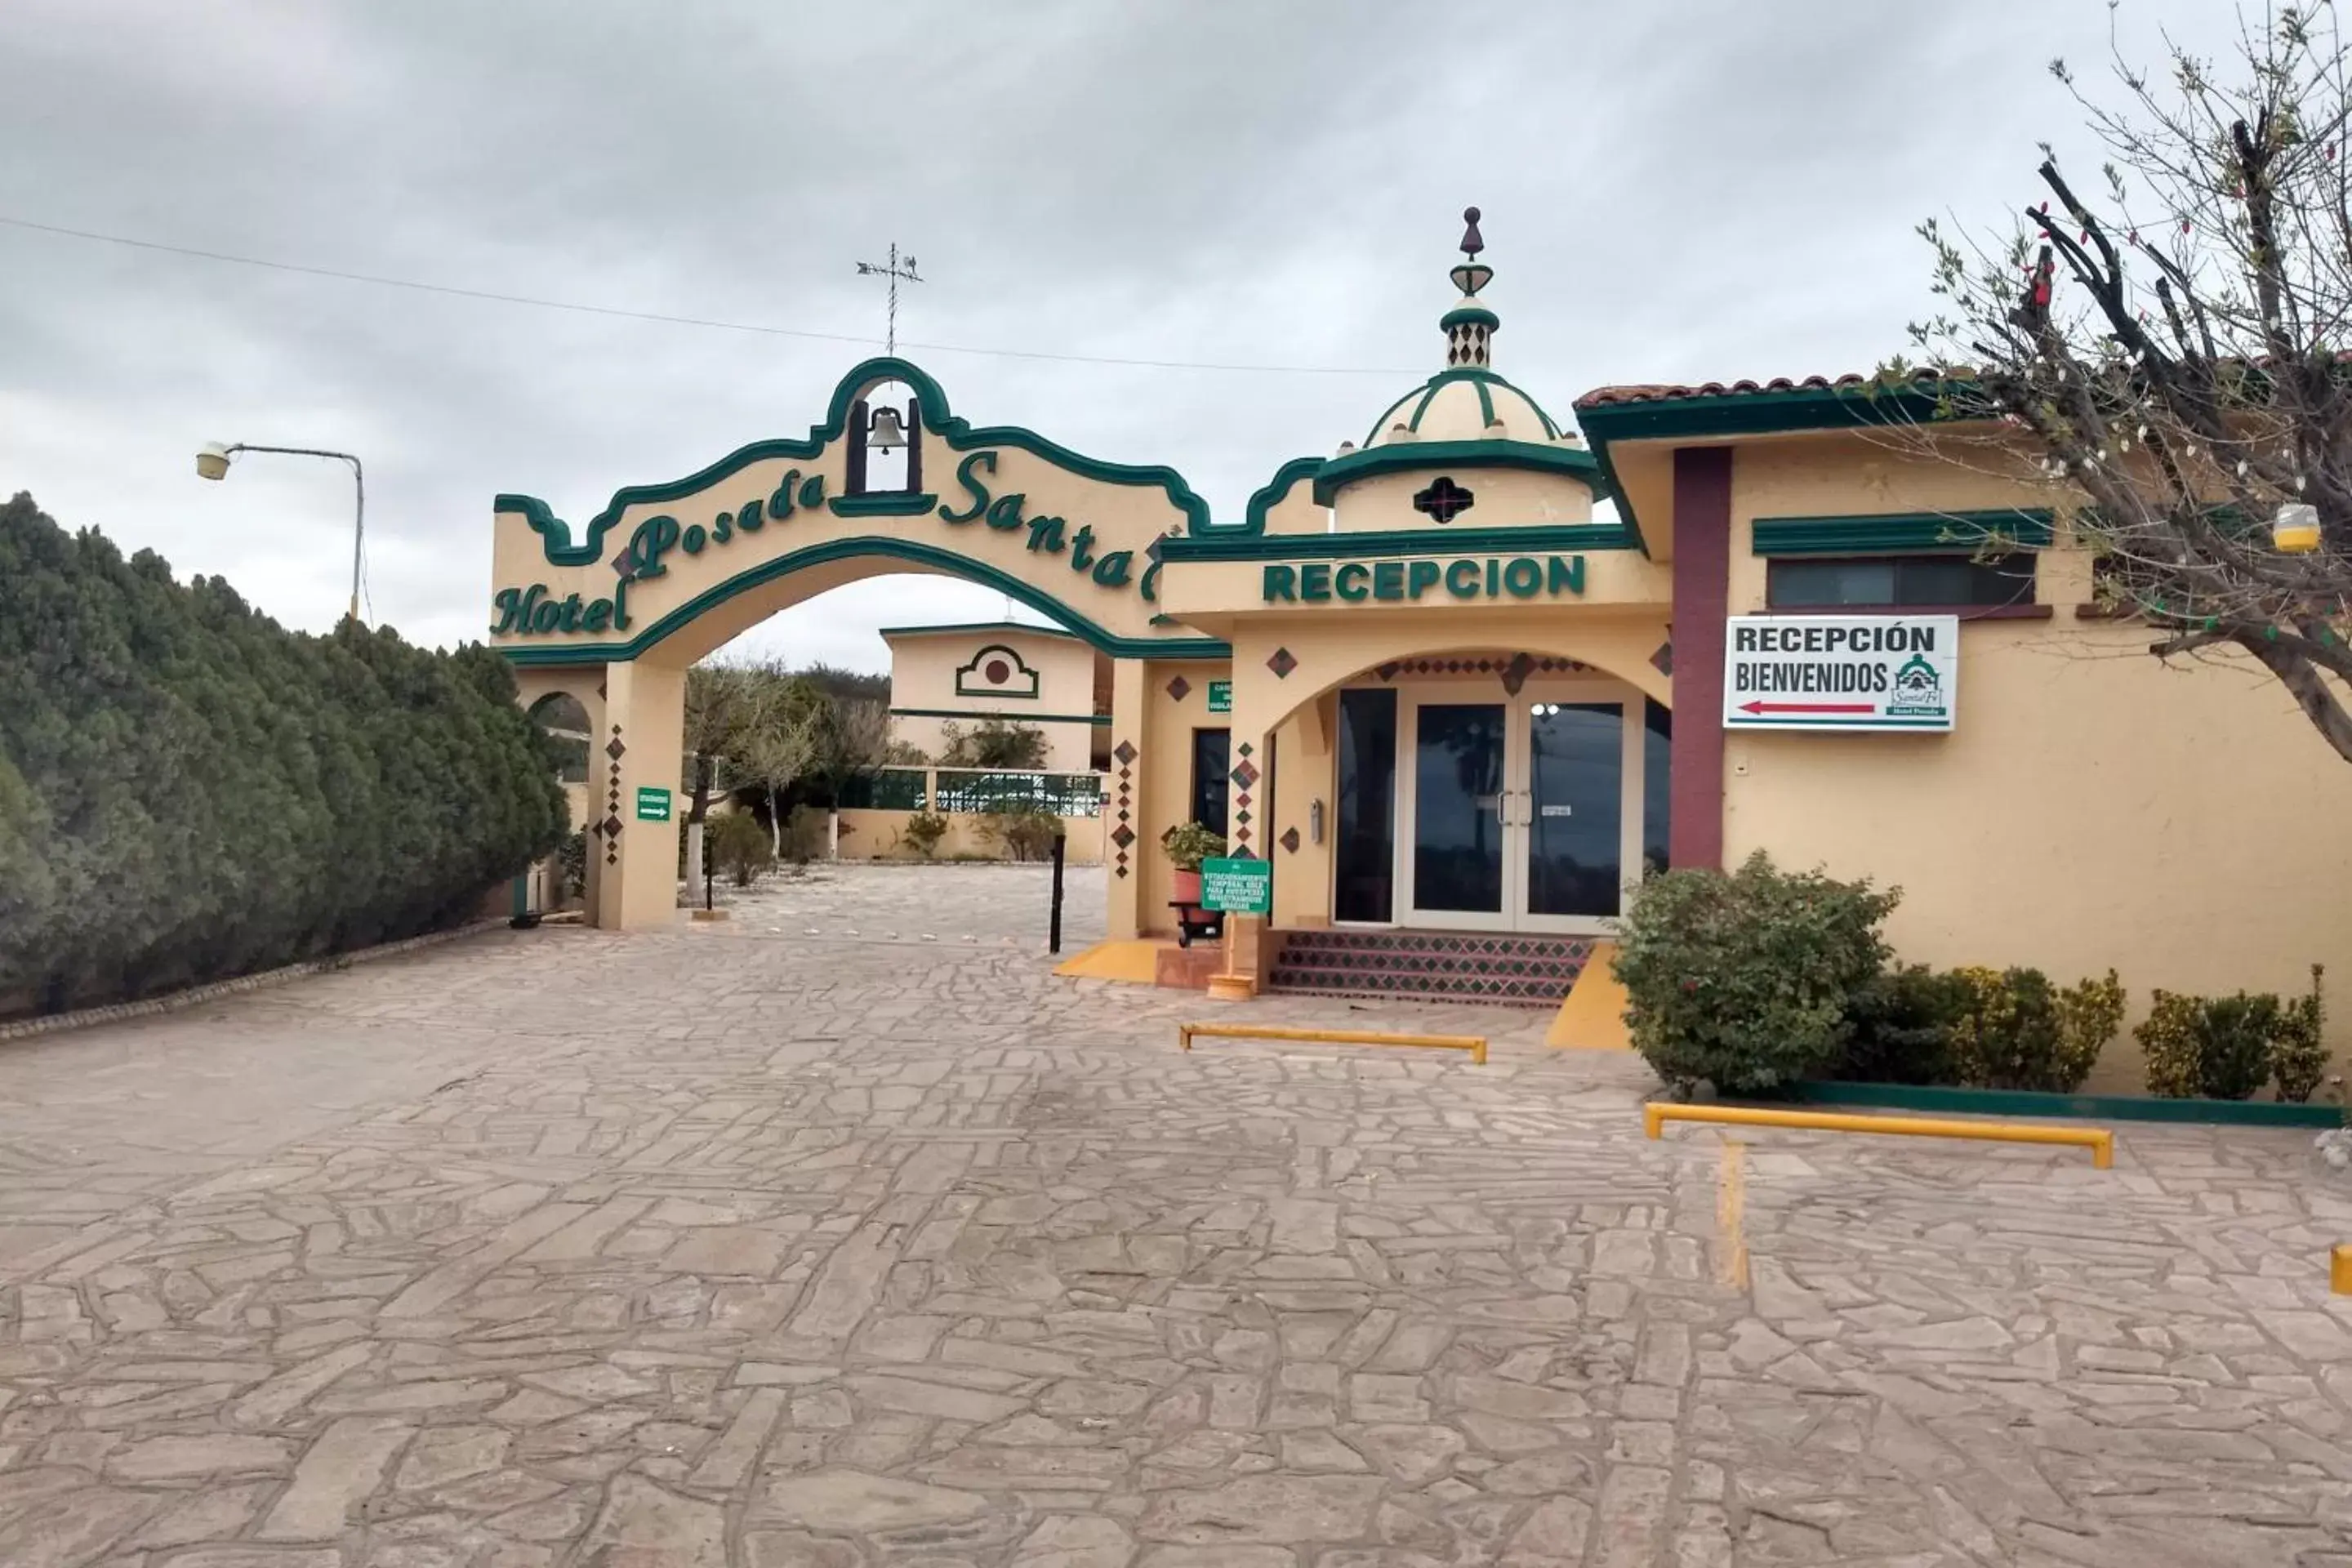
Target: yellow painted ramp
(1134, 960)
(1594, 1016)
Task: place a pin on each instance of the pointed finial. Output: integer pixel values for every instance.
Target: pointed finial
(1471, 242)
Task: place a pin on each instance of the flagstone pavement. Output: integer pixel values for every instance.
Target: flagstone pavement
(741, 1245)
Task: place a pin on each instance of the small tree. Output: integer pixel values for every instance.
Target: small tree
(779, 739)
(992, 744)
(2178, 351)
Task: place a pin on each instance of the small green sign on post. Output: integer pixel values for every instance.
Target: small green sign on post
(1221, 697)
(1237, 886)
(653, 805)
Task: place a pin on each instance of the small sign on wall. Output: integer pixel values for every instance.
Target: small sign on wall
(1237, 886)
(653, 805)
(1221, 697)
(1841, 672)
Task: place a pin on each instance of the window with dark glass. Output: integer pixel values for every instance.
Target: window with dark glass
(1212, 766)
(1896, 581)
(1363, 860)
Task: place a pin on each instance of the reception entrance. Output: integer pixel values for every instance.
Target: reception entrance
(1530, 811)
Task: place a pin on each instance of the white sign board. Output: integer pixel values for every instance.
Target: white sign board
(1841, 672)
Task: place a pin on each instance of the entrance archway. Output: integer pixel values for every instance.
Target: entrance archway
(612, 613)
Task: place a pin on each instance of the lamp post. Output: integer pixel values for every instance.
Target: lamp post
(212, 463)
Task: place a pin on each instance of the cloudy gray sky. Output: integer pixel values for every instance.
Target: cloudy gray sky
(1681, 190)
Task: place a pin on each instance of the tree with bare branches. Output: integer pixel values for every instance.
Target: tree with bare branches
(2177, 349)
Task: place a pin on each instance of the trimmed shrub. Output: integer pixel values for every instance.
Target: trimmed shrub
(2008, 1036)
(2216, 1048)
(804, 834)
(189, 792)
(1745, 980)
(1902, 1023)
(2089, 1013)
(2298, 1055)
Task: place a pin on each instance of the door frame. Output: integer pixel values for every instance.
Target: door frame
(1516, 798)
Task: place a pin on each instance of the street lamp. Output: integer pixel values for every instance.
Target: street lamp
(212, 463)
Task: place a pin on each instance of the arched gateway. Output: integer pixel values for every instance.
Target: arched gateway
(1416, 675)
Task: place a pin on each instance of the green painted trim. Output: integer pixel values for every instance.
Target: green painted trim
(1467, 315)
(885, 503)
(2086, 1107)
(1274, 492)
(1479, 376)
(1574, 538)
(931, 555)
(977, 627)
(1746, 414)
(1571, 462)
(2029, 528)
(959, 434)
(979, 713)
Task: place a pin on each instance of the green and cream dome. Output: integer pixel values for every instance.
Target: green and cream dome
(1468, 417)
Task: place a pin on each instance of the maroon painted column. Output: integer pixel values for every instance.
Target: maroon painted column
(1702, 599)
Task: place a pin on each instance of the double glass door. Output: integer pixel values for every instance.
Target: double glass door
(1520, 815)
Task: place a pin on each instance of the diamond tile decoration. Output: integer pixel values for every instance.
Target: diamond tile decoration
(1663, 661)
(1180, 688)
(1289, 840)
(1281, 663)
(1125, 752)
(611, 825)
(1243, 798)
(1522, 970)
(1244, 748)
(1122, 834)
(1244, 773)
(615, 749)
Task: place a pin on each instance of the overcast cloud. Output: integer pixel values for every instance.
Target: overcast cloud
(1673, 192)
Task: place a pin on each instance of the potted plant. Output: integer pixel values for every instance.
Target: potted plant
(1186, 845)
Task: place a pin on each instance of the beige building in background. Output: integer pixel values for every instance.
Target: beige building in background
(1041, 677)
(1459, 712)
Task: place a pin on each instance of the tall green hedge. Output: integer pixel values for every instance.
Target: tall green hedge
(190, 791)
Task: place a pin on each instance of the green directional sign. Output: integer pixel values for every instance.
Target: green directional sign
(1221, 697)
(653, 805)
(1237, 886)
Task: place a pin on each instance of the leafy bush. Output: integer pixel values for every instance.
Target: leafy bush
(574, 852)
(2298, 1055)
(2222, 1048)
(1902, 1023)
(1024, 834)
(923, 831)
(1187, 843)
(189, 792)
(2089, 1013)
(805, 834)
(1745, 980)
(739, 847)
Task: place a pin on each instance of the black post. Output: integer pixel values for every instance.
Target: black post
(1054, 929)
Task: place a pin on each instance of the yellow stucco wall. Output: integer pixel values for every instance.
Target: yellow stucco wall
(924, 672)
(2091, 809)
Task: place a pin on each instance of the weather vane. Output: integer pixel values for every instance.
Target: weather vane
(895, 271)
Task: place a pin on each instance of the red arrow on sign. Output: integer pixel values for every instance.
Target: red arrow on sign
(1760, 707)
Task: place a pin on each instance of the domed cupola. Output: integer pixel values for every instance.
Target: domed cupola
(1466, 417)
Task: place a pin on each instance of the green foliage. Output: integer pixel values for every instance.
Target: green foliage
(2298, 1054)
(1026, 834)
(1187, 843)
(574, 851)
(923, 832)
(805, 834)
(1744, 980)
(2007, 1036)
(739, 847)
(2225, 1048)
(992, 744)
(2089, 1013)
(189, 792)
(1902, 1022)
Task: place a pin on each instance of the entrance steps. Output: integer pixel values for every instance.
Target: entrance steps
(1514, 969)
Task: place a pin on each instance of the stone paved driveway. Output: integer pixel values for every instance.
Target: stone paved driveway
(741, 1245)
